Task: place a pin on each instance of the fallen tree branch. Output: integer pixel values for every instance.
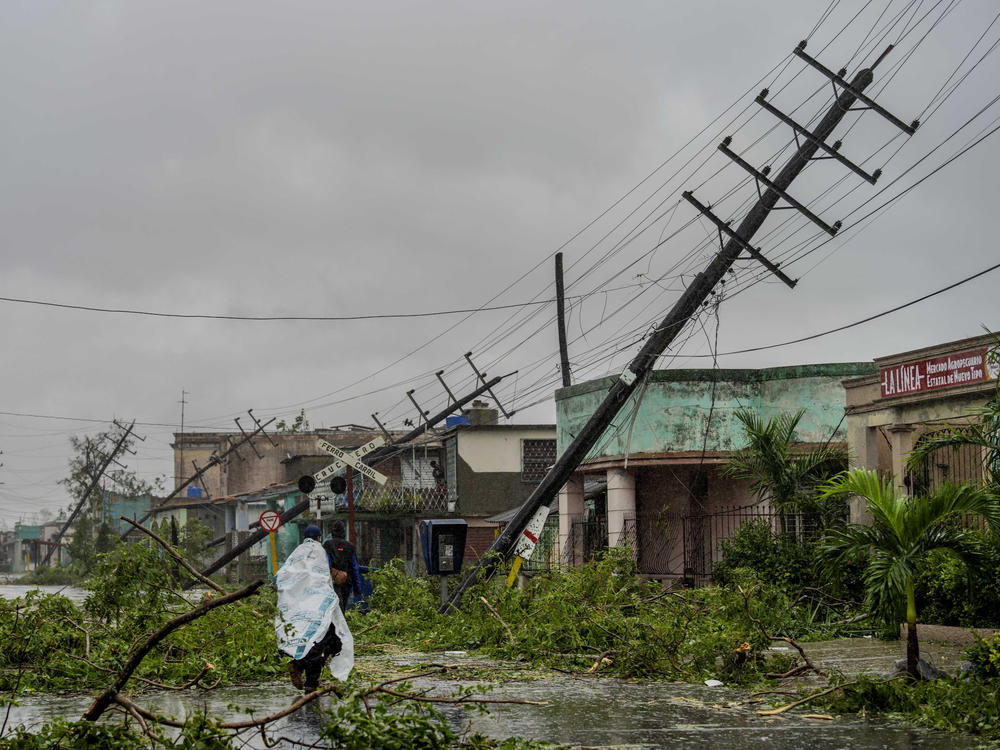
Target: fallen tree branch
(821, 693)
(604, 658)
(139, 652)
(153, 683)
(243, 724)
(510, 633)
(793, 672)
(760, 626)
(807, 699)
(86, 634)
(463, 699)
(173, 553)
(141, 722)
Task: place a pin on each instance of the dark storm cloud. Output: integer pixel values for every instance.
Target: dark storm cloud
(319, 158)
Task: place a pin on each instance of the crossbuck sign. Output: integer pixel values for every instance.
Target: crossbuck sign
(352, 459)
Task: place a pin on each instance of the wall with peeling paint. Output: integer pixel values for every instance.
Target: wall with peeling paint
(689, 411)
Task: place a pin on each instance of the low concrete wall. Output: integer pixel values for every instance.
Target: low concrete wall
(947, 633)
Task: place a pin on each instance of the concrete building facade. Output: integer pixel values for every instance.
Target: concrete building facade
(661, 458)
(915, 393)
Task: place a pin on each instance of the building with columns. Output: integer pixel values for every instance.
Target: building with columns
(662, 456)
(911, 395)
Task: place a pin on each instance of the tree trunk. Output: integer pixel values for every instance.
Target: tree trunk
(912, 645)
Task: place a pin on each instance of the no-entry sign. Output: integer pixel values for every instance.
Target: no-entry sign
(270, 520)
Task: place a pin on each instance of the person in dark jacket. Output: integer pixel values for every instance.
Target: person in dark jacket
(343, 557)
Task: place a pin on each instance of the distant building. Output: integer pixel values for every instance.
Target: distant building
(491, 468)
(473, 470)
(27, 547)
(283, 458)
(914, 394)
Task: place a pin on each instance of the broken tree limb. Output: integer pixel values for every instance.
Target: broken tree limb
(153, 683)
(510, 633)
(821, 693)
(760, 626)
(460, 699)
(173, 553)
(86, 635)
(807, 699)
(107, 697)
(243, 724)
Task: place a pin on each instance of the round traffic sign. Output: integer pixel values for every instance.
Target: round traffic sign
(270, 520)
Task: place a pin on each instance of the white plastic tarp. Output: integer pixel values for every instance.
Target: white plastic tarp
(308, 606)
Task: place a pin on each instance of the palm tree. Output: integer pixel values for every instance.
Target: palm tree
(902, 532)
(781, 474)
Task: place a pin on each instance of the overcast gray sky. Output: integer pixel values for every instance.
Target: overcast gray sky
(342, 159)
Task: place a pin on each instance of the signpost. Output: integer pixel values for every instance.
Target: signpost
(351, 462)
(524, 548)
(352, 459)
(960, 368)
(270, 521)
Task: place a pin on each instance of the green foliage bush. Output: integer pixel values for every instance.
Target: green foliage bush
(778, 559)
(984, 655)
(948, 593)
(971, 706)
(51, 575)
(579, 616)
(48, 643)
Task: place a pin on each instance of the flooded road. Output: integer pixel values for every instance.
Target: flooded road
(580, 710)
(17, 590)
(589, 711)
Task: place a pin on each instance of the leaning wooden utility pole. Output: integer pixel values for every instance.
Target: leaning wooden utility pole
(94, 479)
(561, 322)
(689, 303)
(215, 460)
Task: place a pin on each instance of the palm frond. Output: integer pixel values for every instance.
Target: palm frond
(953, 501)
(885, 585)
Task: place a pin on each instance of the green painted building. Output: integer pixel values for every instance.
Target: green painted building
(653, 478)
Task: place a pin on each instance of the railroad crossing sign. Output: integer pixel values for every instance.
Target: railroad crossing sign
(352, 459)
(270, 520)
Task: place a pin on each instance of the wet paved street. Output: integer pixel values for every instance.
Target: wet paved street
(586, 710)
(580, 711)
(15, 591)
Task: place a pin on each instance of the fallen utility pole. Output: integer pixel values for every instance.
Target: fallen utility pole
(215, 460)
(377, 456)
(683, 311)
(94, 479)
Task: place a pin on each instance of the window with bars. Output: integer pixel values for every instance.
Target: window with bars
(537, 456)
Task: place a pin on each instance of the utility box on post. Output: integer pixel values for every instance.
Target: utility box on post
(443, 543)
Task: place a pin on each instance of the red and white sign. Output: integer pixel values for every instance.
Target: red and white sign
(525, 546)
(960, 368)
(270, 520)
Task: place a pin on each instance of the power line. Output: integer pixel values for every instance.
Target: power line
(208, 316)
(870, 318)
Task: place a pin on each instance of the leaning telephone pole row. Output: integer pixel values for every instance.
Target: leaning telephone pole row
(215, 460)
(685, 308)
(377, 456)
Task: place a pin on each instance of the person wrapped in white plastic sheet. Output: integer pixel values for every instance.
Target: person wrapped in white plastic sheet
(309, 626)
